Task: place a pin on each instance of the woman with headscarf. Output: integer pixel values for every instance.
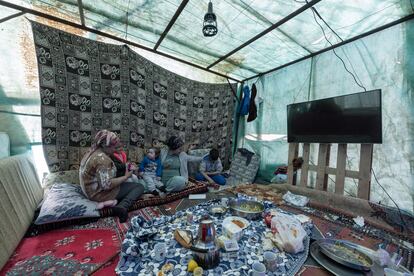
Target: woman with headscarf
(175, 165)
(98, 179)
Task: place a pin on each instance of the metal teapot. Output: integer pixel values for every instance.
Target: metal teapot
(205, 249)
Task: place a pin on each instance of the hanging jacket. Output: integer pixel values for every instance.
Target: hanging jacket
(252, 105)
(244, 104)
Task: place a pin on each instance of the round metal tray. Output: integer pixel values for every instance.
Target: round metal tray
(341, 270)
(330, 248)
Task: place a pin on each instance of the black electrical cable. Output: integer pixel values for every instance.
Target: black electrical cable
(343, 63)
(396, 205)
(317, 13)
(360, 85)
(126, 23)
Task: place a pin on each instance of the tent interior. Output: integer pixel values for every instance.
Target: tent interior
(290, 51)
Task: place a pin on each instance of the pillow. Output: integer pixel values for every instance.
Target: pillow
(66, 202)
(61, 177)
(244, 167)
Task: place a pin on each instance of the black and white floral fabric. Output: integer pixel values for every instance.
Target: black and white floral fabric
(66, 201)
(137, 254)
(87, 85)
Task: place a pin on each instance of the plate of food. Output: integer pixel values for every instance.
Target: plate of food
(346, 254)
(241, 223)
(249, 209)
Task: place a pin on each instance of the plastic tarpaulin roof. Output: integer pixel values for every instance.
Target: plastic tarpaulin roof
(144, 21)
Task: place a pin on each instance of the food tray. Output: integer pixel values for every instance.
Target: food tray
(346, 254)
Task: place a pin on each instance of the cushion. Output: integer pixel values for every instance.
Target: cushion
(61, 177)
(20, 194)
(66, 201)
(244, 167)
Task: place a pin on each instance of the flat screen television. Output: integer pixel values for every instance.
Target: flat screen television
(354, 118)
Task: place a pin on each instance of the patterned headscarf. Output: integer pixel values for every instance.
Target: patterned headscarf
(106, 139)
(103, 139)
(175, 142)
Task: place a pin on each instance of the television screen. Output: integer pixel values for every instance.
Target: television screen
(354, 118)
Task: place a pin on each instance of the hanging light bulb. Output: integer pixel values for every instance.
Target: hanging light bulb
(210, 23)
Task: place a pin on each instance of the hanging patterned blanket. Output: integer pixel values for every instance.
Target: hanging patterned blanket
(87, 85)
(137, 253)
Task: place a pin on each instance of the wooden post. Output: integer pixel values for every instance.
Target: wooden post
(293, 153)
(305, 166)
(340, 169)
(365, 164)
(323, 170)
(323, 162)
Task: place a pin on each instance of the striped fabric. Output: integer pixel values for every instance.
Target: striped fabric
(20, 194)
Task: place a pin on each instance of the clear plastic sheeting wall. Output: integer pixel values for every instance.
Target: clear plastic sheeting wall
(383, 60)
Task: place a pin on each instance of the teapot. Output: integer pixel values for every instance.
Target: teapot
(206, 250)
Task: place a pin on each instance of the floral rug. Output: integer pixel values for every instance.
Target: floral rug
(74, 250)
(63, 252)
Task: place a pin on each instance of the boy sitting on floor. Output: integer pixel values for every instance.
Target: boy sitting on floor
(211, 168)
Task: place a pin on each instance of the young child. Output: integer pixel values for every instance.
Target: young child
(151, 170)
(211, 168)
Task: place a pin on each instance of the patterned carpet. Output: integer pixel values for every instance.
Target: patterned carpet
(94, 247)
(64, 252)
(87, 249)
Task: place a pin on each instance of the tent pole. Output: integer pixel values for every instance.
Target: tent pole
(271, 28)
(11, 17)
(386, 26)
(171, 23)
(97, 32)
(81, 15)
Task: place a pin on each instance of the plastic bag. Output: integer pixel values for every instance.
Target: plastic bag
(296, 200)
(290, 231)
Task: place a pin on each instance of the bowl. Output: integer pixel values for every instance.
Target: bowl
(217, 210)
(248, 209)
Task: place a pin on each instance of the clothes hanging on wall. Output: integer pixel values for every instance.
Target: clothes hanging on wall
(244, 105)
(252, 105)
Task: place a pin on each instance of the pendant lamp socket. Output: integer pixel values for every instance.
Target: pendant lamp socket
(210, 22)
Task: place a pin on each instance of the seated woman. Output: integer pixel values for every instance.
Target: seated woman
(175, 165)
(98, 179)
